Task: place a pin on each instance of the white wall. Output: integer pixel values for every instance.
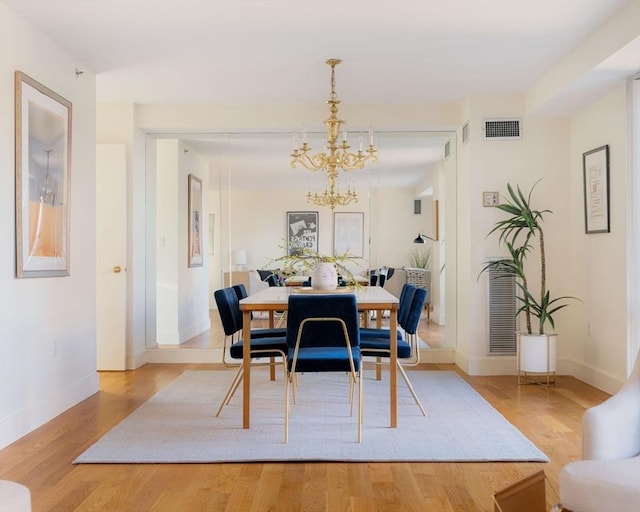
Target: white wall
(258, 224)
(167, 243)
(47, 325)
(115, 125)
(181, 291)
(488, 166)
(193, 312)
(598, 261)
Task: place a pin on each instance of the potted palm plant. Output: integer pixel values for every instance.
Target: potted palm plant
(519, 232)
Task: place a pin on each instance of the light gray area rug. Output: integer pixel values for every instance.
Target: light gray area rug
(179, 425)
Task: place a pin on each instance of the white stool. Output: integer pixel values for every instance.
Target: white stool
(14, 497)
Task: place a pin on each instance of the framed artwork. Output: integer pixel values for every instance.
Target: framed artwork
(348, 234)
(195, 221)
(43, 179)
(595, 164)
(302, 232)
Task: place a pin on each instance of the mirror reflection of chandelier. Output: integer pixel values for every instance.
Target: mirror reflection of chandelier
(335, 156)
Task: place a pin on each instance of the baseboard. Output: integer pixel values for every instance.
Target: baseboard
(438, 355)
(507, 365)
(592, 376)
(492, 365)
(38, 413)
(183, 355)
(135, 361)
(480, 366)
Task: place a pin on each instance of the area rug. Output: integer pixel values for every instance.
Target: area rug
(178, 424)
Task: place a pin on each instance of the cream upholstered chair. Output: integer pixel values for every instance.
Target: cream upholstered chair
(608, 479)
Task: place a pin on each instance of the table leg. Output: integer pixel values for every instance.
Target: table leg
(365, 318)
(246, 364)
(393, 368)
(272, 361)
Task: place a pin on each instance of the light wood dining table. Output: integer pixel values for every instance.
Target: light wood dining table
(276, 298)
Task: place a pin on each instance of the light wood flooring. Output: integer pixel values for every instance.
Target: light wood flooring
(42, 460)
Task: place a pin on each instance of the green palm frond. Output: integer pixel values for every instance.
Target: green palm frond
(517, 233)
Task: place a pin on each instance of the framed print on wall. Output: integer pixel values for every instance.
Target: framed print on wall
(302, 232)
(43, 178)
(195, 221)
(595, 165)
(348, 234)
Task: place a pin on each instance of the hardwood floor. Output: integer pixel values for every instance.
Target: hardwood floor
(43, 459)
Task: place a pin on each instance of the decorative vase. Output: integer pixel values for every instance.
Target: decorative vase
(324, 276)
(537, 353)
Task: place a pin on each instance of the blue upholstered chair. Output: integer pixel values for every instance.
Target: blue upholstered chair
(323, 335)
(408, 350)
(269, 343)
(406, 297)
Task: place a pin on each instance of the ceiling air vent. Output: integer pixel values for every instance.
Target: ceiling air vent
(465, 132)
(447, 150)
(502, 129)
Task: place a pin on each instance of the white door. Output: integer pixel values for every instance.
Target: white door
(111, 250)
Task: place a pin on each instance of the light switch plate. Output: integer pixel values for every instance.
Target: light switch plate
(490, 198)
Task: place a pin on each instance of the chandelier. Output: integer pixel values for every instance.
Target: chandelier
(335, 156)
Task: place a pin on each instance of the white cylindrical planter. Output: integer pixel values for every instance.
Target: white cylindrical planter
(324, 276)
(537, 353)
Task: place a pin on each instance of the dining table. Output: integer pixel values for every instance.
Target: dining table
(276, 298)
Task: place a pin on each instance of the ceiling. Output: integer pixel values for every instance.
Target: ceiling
(272, 52)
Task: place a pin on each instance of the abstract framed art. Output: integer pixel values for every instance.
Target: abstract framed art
(302, 232)
(595, 165)
(43, 179)
(348, 234)
(195, 221)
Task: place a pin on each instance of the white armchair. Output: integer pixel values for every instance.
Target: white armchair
(608, 479)
(255, 283)
(14, 497)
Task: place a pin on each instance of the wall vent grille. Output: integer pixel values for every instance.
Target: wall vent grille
(502, 313)
(465, 132)
(502, 129)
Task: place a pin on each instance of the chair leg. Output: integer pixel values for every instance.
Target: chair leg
(232, 389)
(415, 397)
(360, 384)
(378, 368)
(352, 383)
(294, 385)
(287, 411)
